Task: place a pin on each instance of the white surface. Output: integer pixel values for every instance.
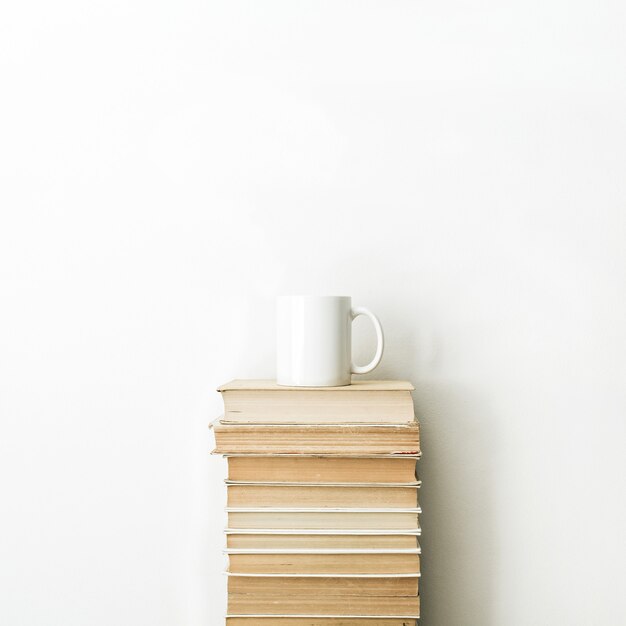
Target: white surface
(314, 341)
(166, 169)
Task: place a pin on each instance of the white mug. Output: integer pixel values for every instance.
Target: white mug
(314, 341)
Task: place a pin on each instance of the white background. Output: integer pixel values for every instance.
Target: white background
(166, 168)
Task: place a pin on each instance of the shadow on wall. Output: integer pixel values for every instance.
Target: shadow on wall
(457, 469)
(459, 543)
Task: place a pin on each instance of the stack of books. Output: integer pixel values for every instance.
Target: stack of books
(322, 504)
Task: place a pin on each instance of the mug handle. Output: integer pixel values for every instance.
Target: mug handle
(364, 369)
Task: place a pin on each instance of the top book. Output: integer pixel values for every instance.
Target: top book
(362, 402)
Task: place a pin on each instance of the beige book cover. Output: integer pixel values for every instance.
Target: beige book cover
(347, 519)
(321, 496)
(317, 438)
(298, 575)
(412, 550)
(415, 483)
(263, 401)
(407, 606)
(312, 455)
(316, 563)
(323, 542)
(322, 469)
(323, 586)
(279, 620)
(323, 531)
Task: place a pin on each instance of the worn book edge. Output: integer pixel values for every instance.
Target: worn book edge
(329, 509)
(320, 551)
(324, 531)
(416, 484)
(410, 575)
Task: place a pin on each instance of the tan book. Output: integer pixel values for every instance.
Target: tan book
(366, 401)
(388, 519)
(321, 542)
(321, 469)
(324, 531)
(416, 483)
(317, 438)
(278, 620)
(316, 563)
(323, 586)
(288, 604)
(333, 455)
(321, 496)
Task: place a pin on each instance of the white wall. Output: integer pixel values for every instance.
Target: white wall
(167, 168)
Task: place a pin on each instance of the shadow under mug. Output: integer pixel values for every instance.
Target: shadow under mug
(314, 341)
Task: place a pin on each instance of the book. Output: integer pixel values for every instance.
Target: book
(346, 519)
(322, 563)
(333, 455)
(322, 469)
(321, 496)
(292, 604)
(323, 531)
(367, 401)
(323, 586)
(281, 620)
(339, 439)
(416, 484)
(321, 542)
(323, 511)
